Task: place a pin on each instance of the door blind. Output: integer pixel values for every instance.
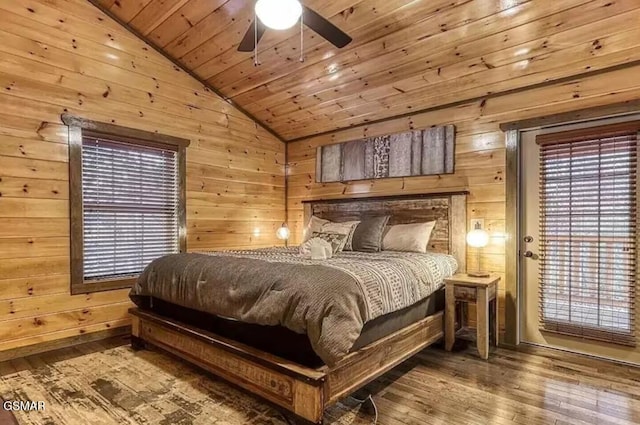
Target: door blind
(588, 235)
(130, 206)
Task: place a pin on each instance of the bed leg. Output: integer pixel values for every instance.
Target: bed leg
(137, 344)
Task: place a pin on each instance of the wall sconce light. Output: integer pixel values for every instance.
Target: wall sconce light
(283, 233)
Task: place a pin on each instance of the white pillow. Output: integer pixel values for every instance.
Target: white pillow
(344, 228)
(315, 225)
(408, 237)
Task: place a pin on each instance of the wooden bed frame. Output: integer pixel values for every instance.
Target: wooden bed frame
(304, 391)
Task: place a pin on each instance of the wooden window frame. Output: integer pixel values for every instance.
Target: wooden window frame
(601, 131)
(77, 126)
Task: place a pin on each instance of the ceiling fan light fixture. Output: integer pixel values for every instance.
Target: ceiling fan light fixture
(278, 14)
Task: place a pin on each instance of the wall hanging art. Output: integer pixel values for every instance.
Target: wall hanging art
(412, 153)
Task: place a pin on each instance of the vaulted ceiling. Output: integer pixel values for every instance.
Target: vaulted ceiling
(406, 56)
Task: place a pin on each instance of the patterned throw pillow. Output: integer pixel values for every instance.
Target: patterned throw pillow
(315, 225)
(337, 240)
(345, 228)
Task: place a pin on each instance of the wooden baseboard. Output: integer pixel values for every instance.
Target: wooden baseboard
(552, 352)
(63, 343)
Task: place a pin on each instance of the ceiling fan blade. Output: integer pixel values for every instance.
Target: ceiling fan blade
(326, 29)
(248, 41)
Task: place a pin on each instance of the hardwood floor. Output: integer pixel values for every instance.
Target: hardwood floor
(529, 386)
(6, 417)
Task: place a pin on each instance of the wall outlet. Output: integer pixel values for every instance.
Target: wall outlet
(475, 221)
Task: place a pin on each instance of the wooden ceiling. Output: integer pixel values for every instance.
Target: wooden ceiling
(406, 56)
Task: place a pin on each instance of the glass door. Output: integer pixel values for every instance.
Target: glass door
(578, 248)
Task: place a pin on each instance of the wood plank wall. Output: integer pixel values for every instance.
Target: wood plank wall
(66, 56)
(480, 153)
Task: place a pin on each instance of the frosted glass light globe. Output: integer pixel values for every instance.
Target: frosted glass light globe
(477, 238)
(283, 232)
(279, 14)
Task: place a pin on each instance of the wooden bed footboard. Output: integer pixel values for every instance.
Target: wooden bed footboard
(304, 391)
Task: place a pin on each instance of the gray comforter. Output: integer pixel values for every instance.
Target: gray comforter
(328, 300)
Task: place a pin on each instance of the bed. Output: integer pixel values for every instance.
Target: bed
(310, 354)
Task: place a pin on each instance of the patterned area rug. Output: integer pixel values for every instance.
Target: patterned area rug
(121, 386)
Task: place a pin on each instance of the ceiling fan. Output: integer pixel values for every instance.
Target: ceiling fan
(283, 14)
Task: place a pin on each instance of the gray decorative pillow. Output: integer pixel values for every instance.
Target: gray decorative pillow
(368, 234)
(337, 240)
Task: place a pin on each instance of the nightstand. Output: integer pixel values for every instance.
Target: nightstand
(482, 291)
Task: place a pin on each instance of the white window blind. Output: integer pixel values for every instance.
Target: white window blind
(588, 235)
(130, 203)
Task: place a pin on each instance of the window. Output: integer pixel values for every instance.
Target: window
(127, 202)
(588, 220)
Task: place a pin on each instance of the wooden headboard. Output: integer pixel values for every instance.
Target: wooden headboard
(448, 210)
